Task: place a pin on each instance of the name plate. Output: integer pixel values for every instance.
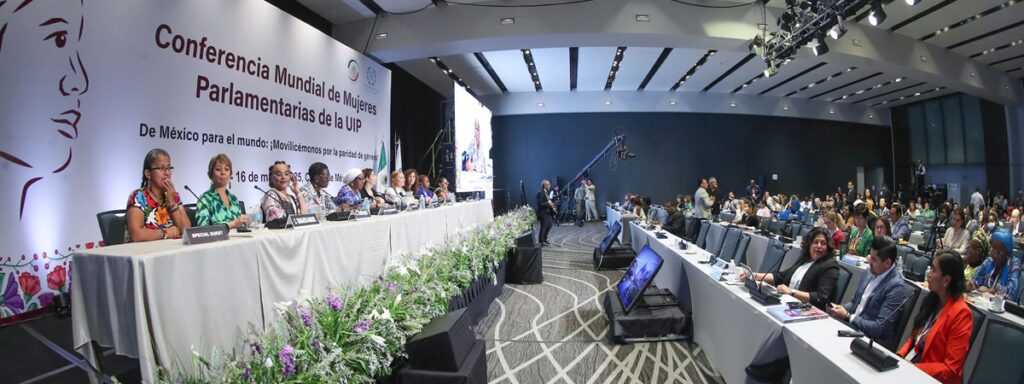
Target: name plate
(717, 272)
(203, 235)
(303, 220)
(390, 210)
(360, 214)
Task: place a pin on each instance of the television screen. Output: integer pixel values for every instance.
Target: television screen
(474, 171)
(639, 275)
(613, 233)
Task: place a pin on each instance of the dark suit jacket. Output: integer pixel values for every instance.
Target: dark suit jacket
(885, 299)
(819, 281)
(542, 202)
(676, 224)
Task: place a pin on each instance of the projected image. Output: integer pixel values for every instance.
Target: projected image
(475, 171)
(638, 277)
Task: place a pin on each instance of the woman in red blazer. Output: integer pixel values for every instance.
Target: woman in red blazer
(942, 330)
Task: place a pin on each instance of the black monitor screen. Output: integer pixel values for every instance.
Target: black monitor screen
(639, 275)
(613, 233)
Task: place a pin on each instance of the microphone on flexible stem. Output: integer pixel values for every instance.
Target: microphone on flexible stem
(276, 223)
(866, 351)
(754, 289)
(190, 191)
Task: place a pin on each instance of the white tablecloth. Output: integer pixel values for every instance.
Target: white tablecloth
(157, 301)
(736, 331)
(612, 215)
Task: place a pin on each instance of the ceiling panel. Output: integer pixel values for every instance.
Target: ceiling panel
(472, 73)
(1001, 54)
(741, 75)
(978, 27)
(1012, 64)
(338, 11)
(674, 67)
(429, 74)
(910, 98)
(904, 92)
(810, 77)
(836, 75)
(848, 83)
(1001, 41)
(714, 67)
(636, 62)
(594, 63)
(786, 71)
(553, 68)
(511, 68)
(946, 16)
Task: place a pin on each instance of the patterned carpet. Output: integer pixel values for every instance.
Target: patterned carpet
(556, 332)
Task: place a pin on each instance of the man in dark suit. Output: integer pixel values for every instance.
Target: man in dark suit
(676, 222)
(851, 194)
(881, 292)
(545, 212)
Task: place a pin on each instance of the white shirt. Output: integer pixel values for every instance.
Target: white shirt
(872, 284)
(977, 200)
(798, 275)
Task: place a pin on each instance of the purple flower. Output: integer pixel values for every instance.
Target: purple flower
(392, 286)
(247, 374)
(307, 316)
(287, 357)
(316, 345)
(12, 300)
(334, 302)
(255, 348)
(363, 326)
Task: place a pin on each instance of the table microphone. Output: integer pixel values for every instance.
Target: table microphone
(866, 351)
(755, 291)
(190, 191)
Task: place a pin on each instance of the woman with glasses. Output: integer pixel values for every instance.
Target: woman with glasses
(154, 211)
(277, 203)
(218, 205)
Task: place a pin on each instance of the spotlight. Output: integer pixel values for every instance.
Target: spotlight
(837, 30)
(820, 48)
(877, 15)
(757, 46)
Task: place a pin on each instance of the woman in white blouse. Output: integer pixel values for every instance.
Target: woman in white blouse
(396, 193)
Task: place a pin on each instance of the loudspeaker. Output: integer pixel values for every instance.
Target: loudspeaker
(473, 370)
(443, 344)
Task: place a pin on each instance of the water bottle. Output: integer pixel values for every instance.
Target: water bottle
(366, 205)
(421, 203)
(899, 264)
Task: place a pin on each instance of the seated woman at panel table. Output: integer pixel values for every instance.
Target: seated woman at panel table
(423, 188)
(154, 211)
(369, 189)
(956, 238)
(1000, 274)
(315, 194)
(410, 180)
(218, 205)
(396, 193)
(442, 193)
(814, 275)
(349, 195)
(941, 337)
(978, 249)
(277, 203)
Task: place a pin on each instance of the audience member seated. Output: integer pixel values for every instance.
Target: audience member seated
(898, 223)
(154, 211)
(941, 337)
(676, 223)
(978, 249)
(315, 194)
(882, 209)
(277, 203)
(348, 195)
(956, 238)
(396, 193)
(814, 275)
(731, 204)
(880, 293)
(793, 212)
(218, 205)
(999, 274)
(880, 227)
(423, 188)
(763, 211)
(410, 181)
(835, 226)
(927, 212)
(860, 236)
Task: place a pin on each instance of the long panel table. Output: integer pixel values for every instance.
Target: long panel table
(736, 331)
(612, 215)
(158, 301)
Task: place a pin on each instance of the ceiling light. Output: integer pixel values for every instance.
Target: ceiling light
(831, 111)
(672, 102)
(607, 102)
(871, 116)
(382, 35)
(540, 105)
(819, 48)
(877, 15)
(732, 104)
(913, 2)
(786, 107)
(924, 59)
(507, 20)
(643, 18)
(837, 30)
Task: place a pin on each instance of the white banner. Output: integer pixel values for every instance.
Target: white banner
(88, 87)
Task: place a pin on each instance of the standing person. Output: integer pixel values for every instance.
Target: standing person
(545, 211)
(851, 193)
(753, 191)
(580, 195)
(702, 201)
(977, 200)
(591, 196)
(716, 197)
(920, 171)
(941, 337)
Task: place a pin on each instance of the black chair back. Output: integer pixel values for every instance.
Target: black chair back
(842, 283)
(703, 234)
(732, 240)
(190, 210)
(979, 317)
(112, 226)
(905, 317)
(741, 249)
(773, 255)
(999, 360)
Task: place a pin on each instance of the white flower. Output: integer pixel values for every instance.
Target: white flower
(303, 296)
(398, 299)
(282, 307)
(269, 363)
(377, 339)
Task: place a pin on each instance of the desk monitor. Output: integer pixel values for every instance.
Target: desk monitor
(638, 277)
(611, 237)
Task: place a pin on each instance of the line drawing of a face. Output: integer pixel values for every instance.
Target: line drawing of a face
(41, 86)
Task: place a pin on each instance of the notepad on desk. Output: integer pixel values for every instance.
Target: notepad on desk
(787, 315)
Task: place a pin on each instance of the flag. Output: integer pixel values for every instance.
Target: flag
(398, 156)
(382, 168)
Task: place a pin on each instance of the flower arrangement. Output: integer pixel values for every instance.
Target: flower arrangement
(355, 335)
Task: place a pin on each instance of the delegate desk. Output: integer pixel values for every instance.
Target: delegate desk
(156, 301)
(612, 215)
(736, 331)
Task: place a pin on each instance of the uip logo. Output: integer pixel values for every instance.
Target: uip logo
(353, 70)
(371, 76)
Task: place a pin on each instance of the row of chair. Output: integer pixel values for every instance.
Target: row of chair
(112, 223)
